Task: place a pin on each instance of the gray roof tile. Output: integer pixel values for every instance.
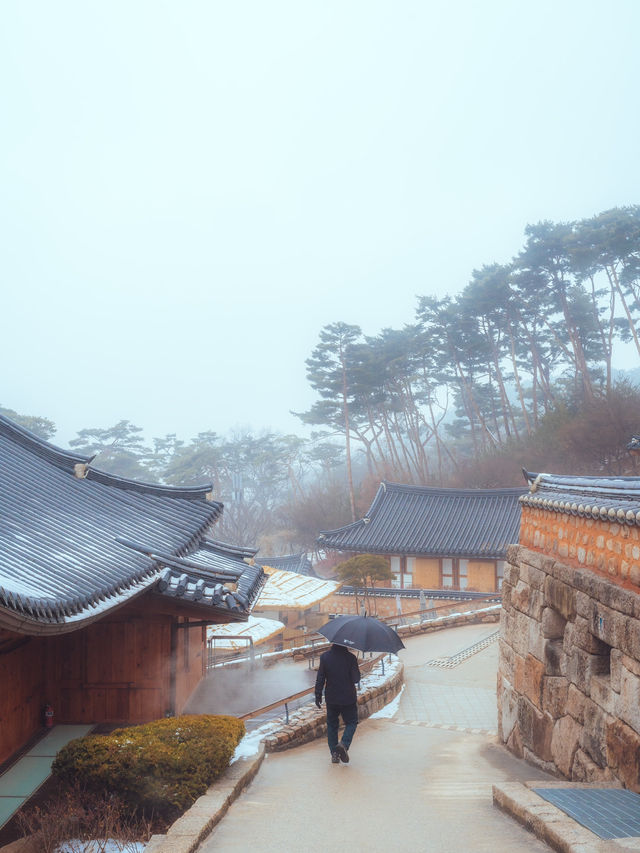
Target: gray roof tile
(429, 521)
(62, 551)
(606, 498)
(298, 563)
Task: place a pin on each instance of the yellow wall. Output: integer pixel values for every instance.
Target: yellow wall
(481, 575)
(426, 572)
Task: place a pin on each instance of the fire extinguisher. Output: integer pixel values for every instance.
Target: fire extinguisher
(48, 716)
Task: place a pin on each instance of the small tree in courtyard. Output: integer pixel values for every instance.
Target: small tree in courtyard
(363, 571)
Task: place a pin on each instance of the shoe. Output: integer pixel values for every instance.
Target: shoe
(341, 752)
(335, 758)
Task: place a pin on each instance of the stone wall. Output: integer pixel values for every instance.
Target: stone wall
(569, 667)
(606, 544)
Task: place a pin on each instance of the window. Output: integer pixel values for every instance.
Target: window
(462, 574)
(499, 574)
(407, 575)
(447, 573)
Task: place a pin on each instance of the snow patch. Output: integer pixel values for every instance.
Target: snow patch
(390, 709)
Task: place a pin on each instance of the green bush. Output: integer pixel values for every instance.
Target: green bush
(158, 768)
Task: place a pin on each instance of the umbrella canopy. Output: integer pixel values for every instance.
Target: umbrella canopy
(363, 633)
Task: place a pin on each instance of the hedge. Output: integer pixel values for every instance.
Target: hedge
(157, 768)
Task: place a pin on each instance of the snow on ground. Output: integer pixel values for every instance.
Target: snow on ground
(250, 743)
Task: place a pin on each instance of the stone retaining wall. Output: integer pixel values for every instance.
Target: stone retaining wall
(309, 723)
(569, 670)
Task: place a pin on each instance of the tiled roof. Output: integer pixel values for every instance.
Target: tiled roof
(257, 628)
(298, 563)
(288, 590)
(607, 498)
(66, 531)
(429, 521)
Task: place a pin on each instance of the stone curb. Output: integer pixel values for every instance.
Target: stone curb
(551, 824)
(190, 830)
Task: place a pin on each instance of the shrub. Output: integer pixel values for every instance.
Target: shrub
(157, 768)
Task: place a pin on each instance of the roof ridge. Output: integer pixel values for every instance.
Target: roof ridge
(67, 460)
(450, 490)
(226, 548)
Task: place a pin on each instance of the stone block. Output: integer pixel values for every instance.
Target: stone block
(533, 676)
(553, 624)
(594, 730)
(536, 729)
(520, 595)
(555, 692)
(601, 693)
(513, 556)
(518, 674)
(581, 666)
(536, 643)
(536, 604)
(628, 705)
(585, 770)
(561, 597)
(628, 663)
(616, 659)
(630, 641)
(565, 741)
(507, 709)
(579, 634)
(585, 605)
(514, 743)
(536, 559)
(554, 657)
(532, 576)
(623, 751)
(576, 702)
(520, 633)
(608, 625)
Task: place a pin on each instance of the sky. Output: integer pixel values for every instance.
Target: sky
(190, 191)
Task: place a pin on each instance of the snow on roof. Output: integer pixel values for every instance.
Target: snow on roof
(290, 590)
(259, 628)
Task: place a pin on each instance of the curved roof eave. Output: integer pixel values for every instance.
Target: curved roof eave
(21, 623)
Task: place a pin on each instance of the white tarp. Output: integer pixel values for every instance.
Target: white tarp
(259, 628)
(289, 590)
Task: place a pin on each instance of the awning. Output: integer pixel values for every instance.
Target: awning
(258, 628)
(290, 590)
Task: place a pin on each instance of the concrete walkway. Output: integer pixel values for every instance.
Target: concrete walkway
(420, 781)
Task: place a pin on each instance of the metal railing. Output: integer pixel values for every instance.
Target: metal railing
(310, 641)
(365, 667)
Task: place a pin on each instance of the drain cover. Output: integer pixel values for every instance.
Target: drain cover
(608, 812)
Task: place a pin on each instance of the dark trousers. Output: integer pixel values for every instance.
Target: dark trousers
(349, 714)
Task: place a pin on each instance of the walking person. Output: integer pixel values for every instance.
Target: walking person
(338, 675)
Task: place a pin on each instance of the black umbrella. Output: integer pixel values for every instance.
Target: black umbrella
(363, 633)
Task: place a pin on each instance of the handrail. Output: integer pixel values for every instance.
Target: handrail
(365, 667)
(312, 638)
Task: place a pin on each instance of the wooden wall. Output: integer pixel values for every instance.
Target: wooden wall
(117, 670)
(22, 693)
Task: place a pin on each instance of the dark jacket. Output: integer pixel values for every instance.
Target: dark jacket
(338, 674)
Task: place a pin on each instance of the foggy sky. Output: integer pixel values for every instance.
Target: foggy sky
(191, 190)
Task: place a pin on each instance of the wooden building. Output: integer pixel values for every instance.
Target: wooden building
(435, 538)
(106, 588)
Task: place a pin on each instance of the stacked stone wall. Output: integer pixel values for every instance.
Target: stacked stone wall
(569, 668)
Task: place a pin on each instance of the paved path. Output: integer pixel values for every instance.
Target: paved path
(412, 784)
